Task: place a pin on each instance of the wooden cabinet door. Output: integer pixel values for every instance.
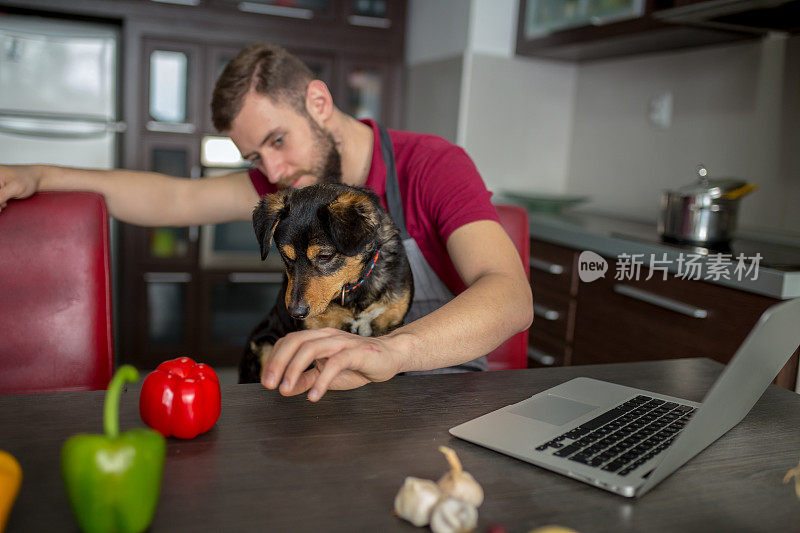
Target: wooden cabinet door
(661, 319)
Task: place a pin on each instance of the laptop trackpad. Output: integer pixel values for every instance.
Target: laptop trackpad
(552, 409)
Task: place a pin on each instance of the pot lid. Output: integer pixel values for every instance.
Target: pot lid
(707, 186)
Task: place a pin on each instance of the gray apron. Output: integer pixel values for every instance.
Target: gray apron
(430, 293)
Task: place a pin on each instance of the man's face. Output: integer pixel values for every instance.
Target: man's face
(288, 147)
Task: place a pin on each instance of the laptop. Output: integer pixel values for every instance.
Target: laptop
(626, 440)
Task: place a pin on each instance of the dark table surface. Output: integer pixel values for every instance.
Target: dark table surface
(285, 464)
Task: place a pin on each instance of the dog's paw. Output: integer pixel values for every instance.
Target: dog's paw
(252, 362)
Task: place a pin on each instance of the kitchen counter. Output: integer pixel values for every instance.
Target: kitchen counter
(776, 273)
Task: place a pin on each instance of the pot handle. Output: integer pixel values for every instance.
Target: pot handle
(741, 191)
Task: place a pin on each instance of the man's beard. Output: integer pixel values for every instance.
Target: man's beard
(328, 167)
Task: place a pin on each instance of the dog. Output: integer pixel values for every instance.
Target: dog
(345, 266)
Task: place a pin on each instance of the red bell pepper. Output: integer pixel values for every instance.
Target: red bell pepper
(181, 398)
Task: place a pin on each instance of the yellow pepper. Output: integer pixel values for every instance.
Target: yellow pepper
(10, 480)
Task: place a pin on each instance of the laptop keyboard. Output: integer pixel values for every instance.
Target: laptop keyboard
(624, 438)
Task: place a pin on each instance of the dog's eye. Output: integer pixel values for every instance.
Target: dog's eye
(323, 258)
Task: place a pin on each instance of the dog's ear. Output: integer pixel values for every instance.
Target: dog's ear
(350, 221)
(269, 211)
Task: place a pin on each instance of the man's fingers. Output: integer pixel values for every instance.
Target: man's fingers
(307, 353)
(7, 192)
(282, 353)
(332, 367)
(303, 383)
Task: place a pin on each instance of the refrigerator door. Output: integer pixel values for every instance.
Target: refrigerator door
(74, 142)
(57, 67)
(58, 84)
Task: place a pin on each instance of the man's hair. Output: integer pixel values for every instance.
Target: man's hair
(266, 69)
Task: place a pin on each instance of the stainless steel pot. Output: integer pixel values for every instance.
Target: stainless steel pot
(704, 212)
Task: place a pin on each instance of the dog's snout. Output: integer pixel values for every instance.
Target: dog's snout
(299, 310)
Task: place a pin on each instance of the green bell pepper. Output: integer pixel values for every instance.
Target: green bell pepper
(113, 481)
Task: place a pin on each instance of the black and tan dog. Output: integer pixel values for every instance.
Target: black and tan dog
(345, 266)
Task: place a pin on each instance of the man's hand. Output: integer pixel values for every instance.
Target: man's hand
(343, 361)
(18, 181)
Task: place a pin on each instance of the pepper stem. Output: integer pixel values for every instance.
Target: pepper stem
(125, 373)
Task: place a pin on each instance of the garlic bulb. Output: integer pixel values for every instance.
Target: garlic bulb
(452, 515)
(416, 499)
(459, 484)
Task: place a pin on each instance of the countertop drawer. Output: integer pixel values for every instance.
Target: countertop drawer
(545, 350)
(552, 266)
(661, 319)
(552, 311)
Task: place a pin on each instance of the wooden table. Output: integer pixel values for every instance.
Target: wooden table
(285, 464)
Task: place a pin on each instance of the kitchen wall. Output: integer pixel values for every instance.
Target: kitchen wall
(734, 108)
(546, 126)
(513, 115)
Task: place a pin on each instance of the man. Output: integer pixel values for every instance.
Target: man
(285, 123)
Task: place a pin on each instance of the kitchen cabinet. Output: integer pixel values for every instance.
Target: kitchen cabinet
(554, 282)
(640, 319)
(578, 30)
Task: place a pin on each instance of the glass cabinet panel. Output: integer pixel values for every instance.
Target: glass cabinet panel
(364, 87)
(165, 317)
(546, 16)
(169, 161)
(236, 237)
(173, 158)
(369, 8)
(218, 151)
(168, 85)
(238, 305)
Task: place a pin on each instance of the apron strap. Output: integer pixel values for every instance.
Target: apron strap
(393, 199)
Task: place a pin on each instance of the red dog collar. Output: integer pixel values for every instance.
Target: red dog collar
(348, 287)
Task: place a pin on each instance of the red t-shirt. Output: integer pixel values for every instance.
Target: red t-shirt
(440, 187)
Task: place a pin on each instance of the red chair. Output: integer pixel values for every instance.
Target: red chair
(514, 352)
(55, 294)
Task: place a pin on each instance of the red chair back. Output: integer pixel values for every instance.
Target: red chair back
(55, 294)
(514, 352)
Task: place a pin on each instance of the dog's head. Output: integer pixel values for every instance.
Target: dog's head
(325, 233)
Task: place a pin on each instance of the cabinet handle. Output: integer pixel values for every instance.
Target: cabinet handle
(170, 127)
(545, 266)
(190, 3)
(541, 357)
(545, 312)
(167, 277)
(371, 22)
(281, 11)
(660, 301)
(255, 277)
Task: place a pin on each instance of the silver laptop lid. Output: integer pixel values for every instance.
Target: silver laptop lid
(758, 360)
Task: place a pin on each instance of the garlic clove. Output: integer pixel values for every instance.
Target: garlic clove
(458, 483)
(416, 499)
(452, 515)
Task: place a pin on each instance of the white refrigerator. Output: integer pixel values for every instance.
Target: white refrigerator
(58, 92)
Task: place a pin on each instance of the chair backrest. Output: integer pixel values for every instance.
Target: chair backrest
(55, 294)
(514, 352)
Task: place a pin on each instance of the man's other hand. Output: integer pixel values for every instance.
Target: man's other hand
(18, 182)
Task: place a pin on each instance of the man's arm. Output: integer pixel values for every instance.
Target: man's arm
(142, 198)
(496, 305)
